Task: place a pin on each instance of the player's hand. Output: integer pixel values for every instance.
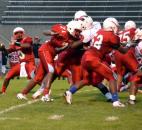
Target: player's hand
(12, 41)
(2, 46)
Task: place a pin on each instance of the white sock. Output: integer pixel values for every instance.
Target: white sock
(132, 97)
(108, 95)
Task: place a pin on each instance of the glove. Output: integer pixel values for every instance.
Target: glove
(17, 43)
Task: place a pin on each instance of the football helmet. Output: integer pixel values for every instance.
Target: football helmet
(18, 29)
(60, 30)
(111, 24)
(129, 24)
(79, 14)
(74, 25)
(88, 22)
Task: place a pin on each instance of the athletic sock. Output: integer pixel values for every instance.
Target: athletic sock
(114, 96)
(46, 91)
(3, 89)
(73, 89)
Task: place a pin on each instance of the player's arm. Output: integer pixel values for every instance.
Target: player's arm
(2, 46)
(79, 42)
(116, 45)
(65, 46)
(19, 45)
(49, 33)
(7, 50)
(123, 49)
(75, 44)
(26, 43)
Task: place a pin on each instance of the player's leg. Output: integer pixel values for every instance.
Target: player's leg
(48, 63)
(14, 71)
(103, 70)
(39, 74)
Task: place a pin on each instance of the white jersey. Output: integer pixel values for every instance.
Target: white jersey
(138, 52)
(90, 33)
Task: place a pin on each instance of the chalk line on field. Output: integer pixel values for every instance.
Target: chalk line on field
(18, 106)
(10, 118)
(28, 103)
(111, 118)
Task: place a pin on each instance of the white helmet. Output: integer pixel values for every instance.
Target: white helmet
(72, 25)
(18, 29)
(111, 24)
(88, 22)
(79, 14)
(129, 24)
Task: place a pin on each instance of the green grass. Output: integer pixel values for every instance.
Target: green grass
(89, 111)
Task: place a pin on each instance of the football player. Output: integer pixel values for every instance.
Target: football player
(22, 44)
(103, 43)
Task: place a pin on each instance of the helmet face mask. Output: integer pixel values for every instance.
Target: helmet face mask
(18, 33)
(18, 29)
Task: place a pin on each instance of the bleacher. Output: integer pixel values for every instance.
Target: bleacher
(45, 12)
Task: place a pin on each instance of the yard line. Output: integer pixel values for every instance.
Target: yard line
(18, 106)
(28, 103)
(10, 118)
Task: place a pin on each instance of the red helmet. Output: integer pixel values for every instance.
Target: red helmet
(60, 29)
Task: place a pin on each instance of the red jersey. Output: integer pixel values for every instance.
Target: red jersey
(26, 54)
(47, 46)
(13, 58)
(127, 35)
(12, 48)
(53, 44)
(104, 42)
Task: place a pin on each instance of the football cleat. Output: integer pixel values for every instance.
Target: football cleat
(68, 97)
(46, 98)
(37, 94)
(21, 96)
(131, 102)
(118, 104)
(2, 93)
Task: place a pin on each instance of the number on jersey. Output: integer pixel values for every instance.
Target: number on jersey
(125, 38)
(97, 41)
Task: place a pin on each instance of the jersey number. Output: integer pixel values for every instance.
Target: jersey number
(124, 38)
(97, 42)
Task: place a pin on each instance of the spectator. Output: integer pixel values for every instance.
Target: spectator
(36, 45)
(4, 61)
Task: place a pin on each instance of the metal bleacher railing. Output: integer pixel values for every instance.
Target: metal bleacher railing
(62, 11)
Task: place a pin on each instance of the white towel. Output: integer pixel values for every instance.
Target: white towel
(23, 72)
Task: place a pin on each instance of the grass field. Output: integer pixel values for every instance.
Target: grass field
(89, 111)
